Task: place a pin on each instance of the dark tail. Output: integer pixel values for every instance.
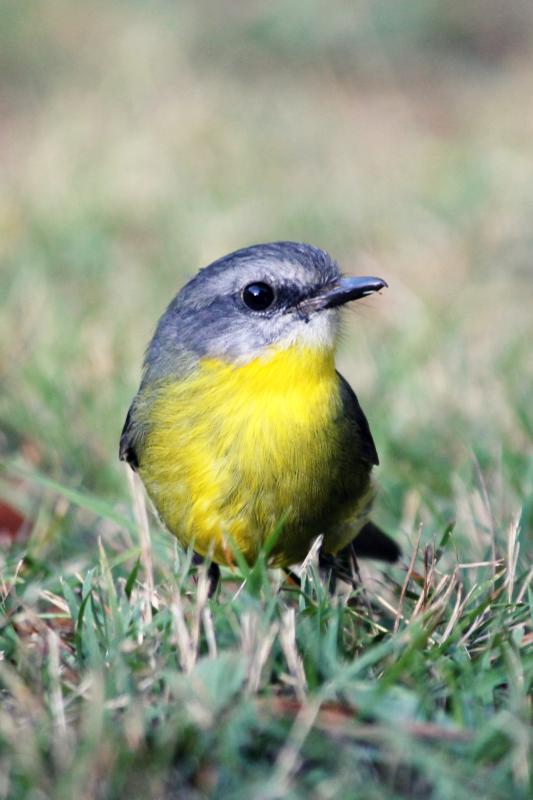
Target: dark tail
(372, 542)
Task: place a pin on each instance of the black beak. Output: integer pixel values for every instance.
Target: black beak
(342, 291)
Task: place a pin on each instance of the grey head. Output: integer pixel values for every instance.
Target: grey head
(267, 295)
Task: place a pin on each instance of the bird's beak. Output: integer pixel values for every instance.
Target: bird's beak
(342, 291)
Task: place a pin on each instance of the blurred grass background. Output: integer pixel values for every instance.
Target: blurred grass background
(141, 141)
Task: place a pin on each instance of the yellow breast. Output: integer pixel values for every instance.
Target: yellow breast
(232, 450)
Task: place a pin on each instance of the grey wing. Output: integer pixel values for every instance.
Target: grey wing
(352, 409)
(155, 367)
(129, 439)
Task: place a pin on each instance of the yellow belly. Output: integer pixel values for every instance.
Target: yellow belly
(232, 451)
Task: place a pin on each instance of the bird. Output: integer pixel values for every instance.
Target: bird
(242, 426)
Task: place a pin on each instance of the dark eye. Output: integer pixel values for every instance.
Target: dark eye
(258, 296)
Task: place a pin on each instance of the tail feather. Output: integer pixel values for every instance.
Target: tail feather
(372, 542)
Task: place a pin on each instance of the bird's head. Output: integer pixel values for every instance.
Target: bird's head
(255, 299)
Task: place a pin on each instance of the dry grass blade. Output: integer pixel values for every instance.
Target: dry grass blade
(56, 695)
(287, 637)
(408, 575)
(311, 557)
(256, 644)
(141, 518)
(525, 586)
(209, 629)
(513, 549)
(182, 636)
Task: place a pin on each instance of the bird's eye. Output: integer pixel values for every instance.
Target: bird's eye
(258, 296)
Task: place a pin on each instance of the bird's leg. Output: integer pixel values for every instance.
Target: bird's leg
(356, 579)
(213, 573)
(354, 564)
(341, 566)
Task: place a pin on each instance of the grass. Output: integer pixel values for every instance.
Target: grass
(114, 688)
(138, 145)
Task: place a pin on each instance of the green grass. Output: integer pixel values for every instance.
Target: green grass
(138, 145)
(417, 687)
